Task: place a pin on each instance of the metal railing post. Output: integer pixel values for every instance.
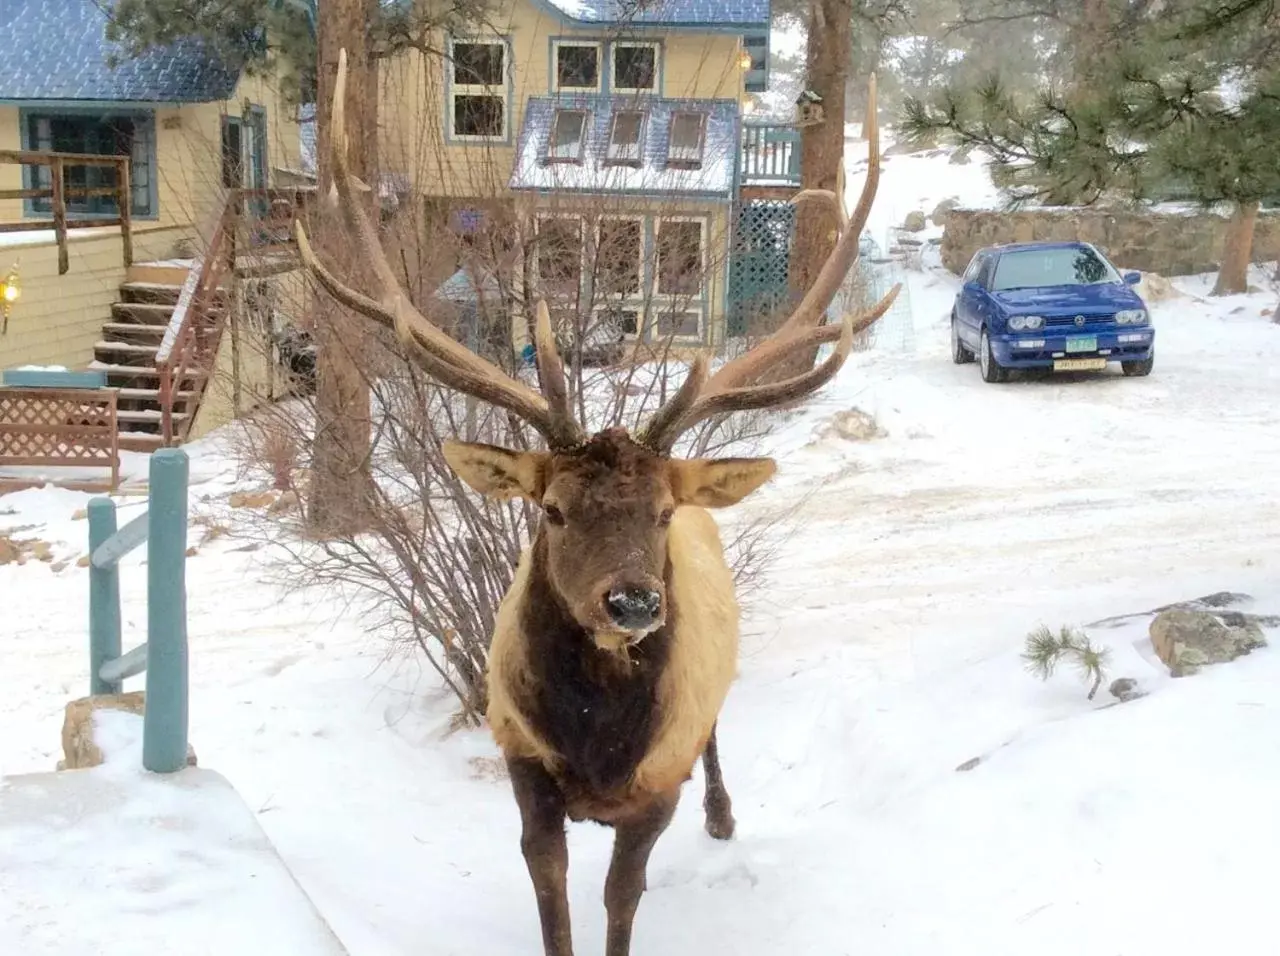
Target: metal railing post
(164, 747)
(104, 598)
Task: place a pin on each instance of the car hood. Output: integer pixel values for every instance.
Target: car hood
(1111, 297)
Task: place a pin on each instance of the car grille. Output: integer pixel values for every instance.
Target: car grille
(1069, 321)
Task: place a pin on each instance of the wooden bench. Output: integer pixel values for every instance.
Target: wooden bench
(58, 426)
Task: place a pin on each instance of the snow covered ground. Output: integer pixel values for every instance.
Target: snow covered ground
(883, 654)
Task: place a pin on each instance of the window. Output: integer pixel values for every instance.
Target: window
(688, 132)
(577, 66)
(625, 132)
(568, 133)
(1040, 268)
(680, 263)
(756, 79)
(478, 100)
(618, 257)
(101, 134)
(619, 322)
(635, 67)
(560, 255)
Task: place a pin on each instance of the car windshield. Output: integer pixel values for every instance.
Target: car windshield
(1034, 268)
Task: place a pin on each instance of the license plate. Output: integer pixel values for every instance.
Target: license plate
(1079, 365)
(1088, 344)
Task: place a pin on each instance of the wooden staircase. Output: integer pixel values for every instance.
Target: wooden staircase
(127, 353)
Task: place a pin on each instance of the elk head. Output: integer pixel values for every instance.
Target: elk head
(607, 499)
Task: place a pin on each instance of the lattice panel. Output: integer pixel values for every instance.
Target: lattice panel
(40, 426)
(759, 258)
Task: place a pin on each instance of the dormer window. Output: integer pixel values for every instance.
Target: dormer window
(568, 135)
(625, 136)
(688, 139)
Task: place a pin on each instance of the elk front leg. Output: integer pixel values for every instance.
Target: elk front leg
(542, 815)
(716, 802)
(632, 843)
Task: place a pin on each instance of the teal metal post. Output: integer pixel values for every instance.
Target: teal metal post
(164, 744)
(104, 598)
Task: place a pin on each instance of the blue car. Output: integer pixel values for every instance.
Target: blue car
(1049, 305)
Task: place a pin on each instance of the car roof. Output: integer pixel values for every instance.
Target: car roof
(1003, 247)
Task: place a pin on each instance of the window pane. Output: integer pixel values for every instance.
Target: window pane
(560, 255)
(477, 115)
(101, 135)
(567, 135)
(623, 321)
(634, 67)
(679, 324)
(478, 64)
(577, 67)
(686, 137)
(624, 135)
(618, 258)
(679, 258)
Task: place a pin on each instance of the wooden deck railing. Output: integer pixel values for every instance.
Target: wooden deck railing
(263, 218)
(58, 191)
(62, 428)
(163, 529)
(770, 153)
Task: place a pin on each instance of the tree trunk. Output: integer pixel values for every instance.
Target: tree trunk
(830, 45)
(341, 480)
(1237, 251)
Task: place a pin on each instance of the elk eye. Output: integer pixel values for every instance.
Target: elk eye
(554, 515)
(664, 519)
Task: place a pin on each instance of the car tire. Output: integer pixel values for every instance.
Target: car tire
(992, 371)
(959, 354)
(1139, 368)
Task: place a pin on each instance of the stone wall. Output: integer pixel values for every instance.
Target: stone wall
(1170, 244)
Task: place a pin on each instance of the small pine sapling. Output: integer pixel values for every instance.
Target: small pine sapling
(1044, 649)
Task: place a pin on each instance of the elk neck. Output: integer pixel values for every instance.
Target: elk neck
(596, 708)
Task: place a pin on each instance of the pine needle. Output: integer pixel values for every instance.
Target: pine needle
(1045, 649)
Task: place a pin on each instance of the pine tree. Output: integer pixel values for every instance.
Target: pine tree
(1045, 650)
(1188, 105)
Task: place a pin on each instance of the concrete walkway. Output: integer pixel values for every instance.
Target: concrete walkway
(115, 861)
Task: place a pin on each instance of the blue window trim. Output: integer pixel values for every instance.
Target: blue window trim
(756, 80)
(28, 182)
(508, 67)
(560, 16)
(606, 44)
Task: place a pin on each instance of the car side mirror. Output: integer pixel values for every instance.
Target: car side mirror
(972, 286)
(1132, 278)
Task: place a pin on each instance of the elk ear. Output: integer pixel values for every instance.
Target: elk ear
(719, 482)
(498, 472)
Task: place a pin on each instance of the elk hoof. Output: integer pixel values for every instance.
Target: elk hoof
(720, 822)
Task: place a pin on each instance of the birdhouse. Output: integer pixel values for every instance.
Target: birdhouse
(809, 109)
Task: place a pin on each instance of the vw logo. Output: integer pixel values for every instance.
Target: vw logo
(1079, 320)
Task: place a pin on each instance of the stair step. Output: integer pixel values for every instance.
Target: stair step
(126, 331)
(140, 370)
(148, 416)
(133, 348)
(150, 293)
(147, 313)
(150, 394)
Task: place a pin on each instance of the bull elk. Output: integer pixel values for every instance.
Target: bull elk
(614, 648)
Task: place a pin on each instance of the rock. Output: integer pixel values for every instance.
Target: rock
(191, 552)
(915, 221)
(80, 514)
(969, 764)
(58, 566)
(10, 553)
(1188, 640)
(942, 210)
(962, 156)
(1156, 288)
(82, 561)
(1126, 688)
(79, 749)
(852, 425)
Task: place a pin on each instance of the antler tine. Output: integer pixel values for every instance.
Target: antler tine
(550, 366)
(734, 387)
(450, 362)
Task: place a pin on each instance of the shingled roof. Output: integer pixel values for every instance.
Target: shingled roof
(59, 51)
(668, 13)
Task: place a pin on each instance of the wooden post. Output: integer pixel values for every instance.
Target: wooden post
(125, 201)
(58, 175)
(164, 742)
(104, 598)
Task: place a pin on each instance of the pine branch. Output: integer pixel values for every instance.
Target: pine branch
(1044, 650)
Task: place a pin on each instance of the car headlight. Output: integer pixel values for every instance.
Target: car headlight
(1025, 323)
(1131, 317)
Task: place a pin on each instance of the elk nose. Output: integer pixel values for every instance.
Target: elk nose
(632, 608)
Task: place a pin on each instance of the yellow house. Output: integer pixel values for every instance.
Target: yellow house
(191, 131)
(616, 134)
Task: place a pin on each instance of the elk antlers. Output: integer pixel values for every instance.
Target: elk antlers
(451, 363)
(736, 385)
